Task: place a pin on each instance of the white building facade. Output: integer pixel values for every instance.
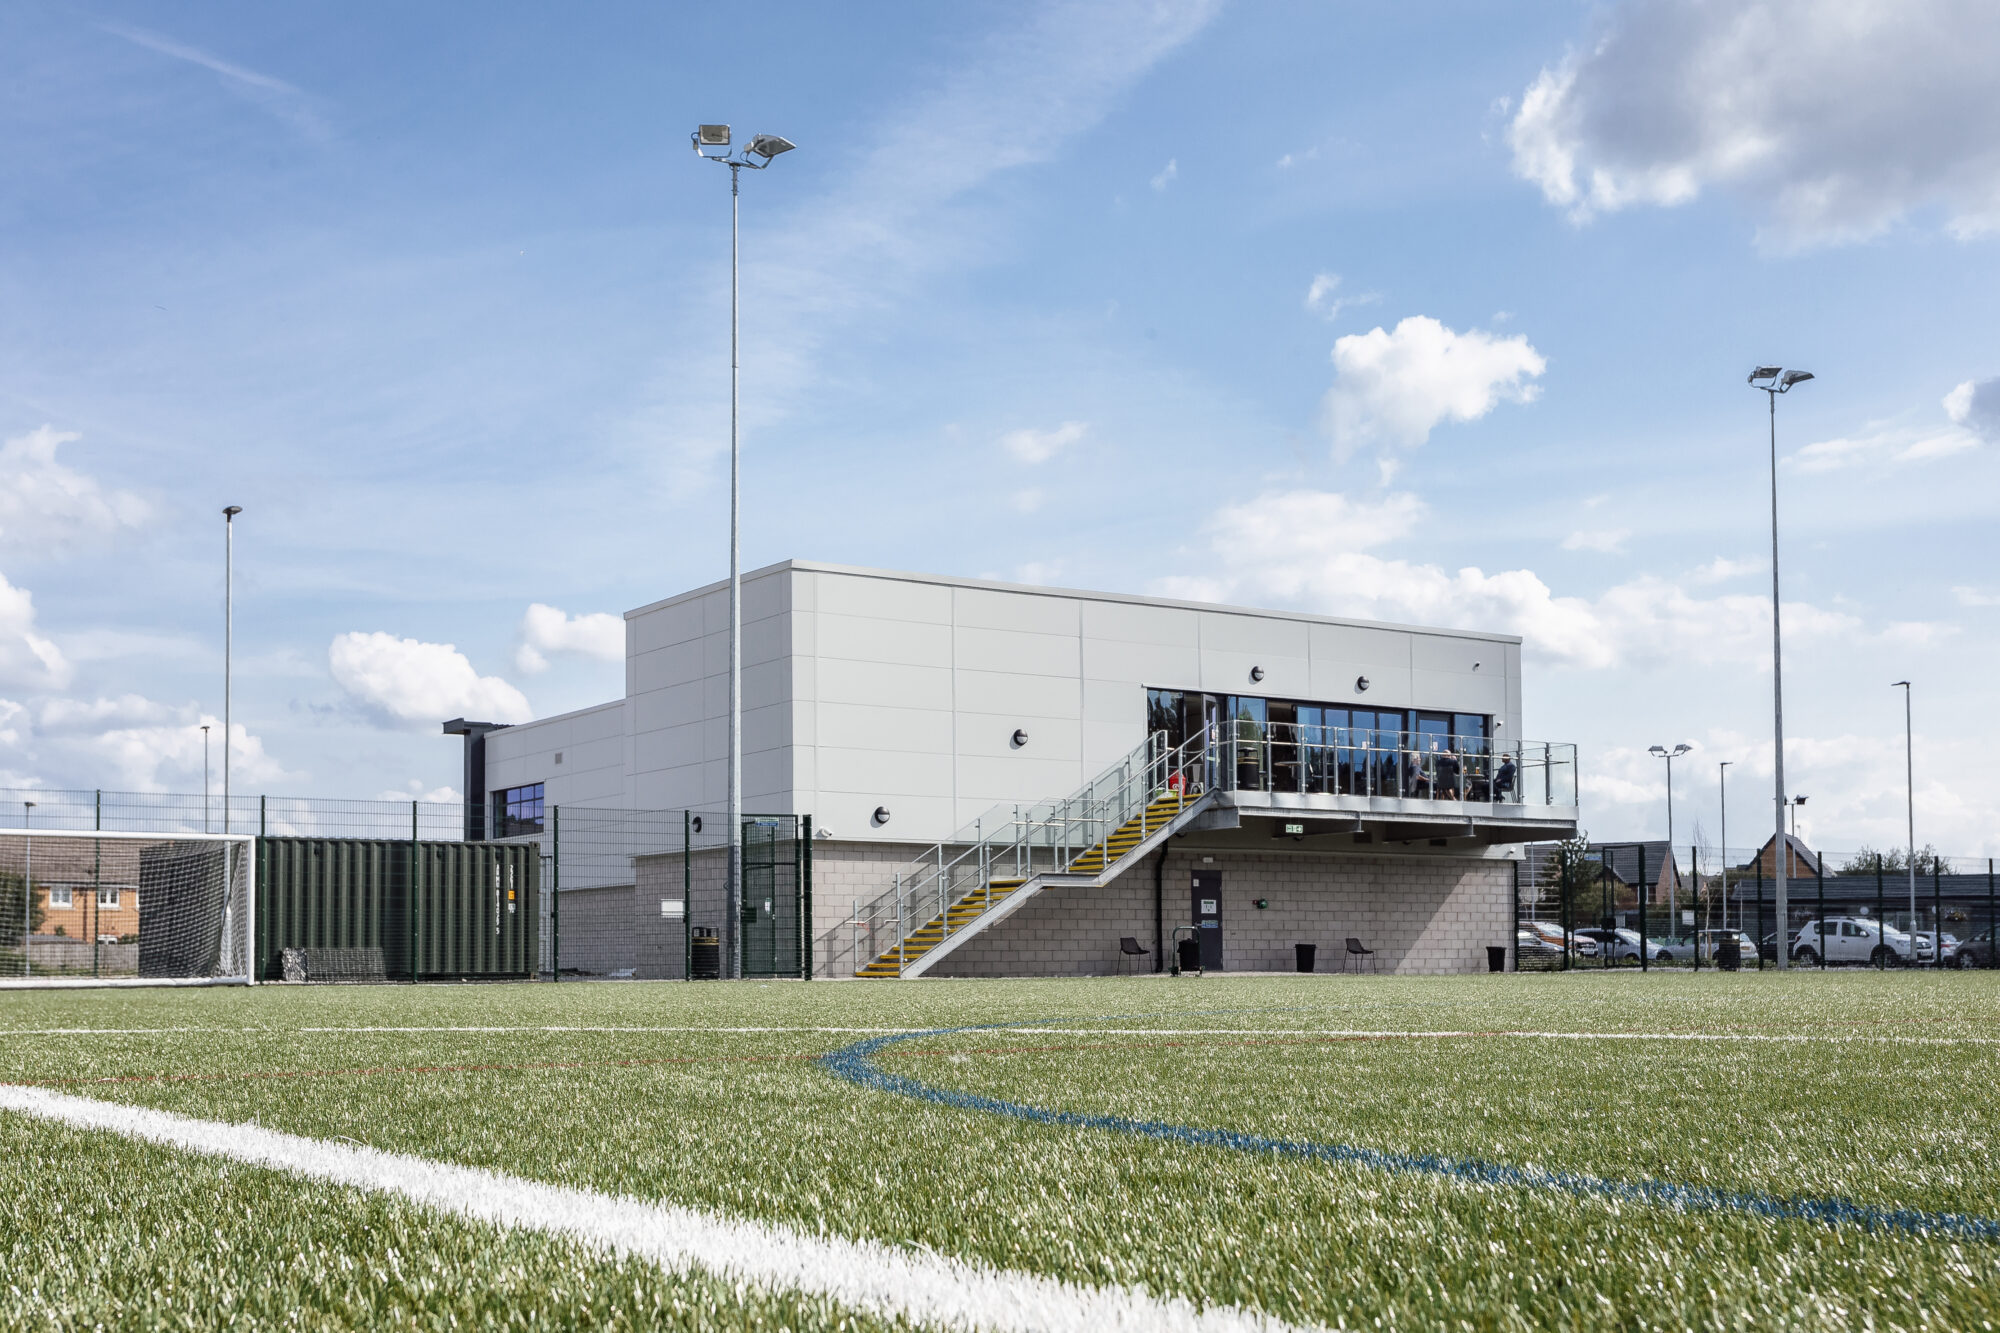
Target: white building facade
(1356, 779)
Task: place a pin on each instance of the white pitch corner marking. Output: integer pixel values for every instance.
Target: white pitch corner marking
(886, 1280)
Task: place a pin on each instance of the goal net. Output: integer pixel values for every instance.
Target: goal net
(137, 908)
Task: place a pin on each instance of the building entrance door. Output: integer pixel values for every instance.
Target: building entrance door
(1207, 917)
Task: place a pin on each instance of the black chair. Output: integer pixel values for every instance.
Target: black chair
(1129, 947)
(1355, 953)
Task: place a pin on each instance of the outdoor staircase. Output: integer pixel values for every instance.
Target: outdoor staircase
(1101, 863)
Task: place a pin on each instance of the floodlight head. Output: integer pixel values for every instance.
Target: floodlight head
(717, 136)
(1765, 373)
(1681, 750)
(768, 146)
(229, 514)
(1793, 377)
(1894, 683)
(1798, 800)
(1660, 750)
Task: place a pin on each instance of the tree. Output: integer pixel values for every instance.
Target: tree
(1929, 861)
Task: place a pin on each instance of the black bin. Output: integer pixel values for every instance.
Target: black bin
(1729, 953)
(1189, 952)
(1496, 958)
(1305, 954)
(707, 961)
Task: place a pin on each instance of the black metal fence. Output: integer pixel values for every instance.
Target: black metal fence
(1642, 905)
(618, 893)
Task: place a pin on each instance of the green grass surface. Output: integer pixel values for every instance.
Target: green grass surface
(1889, 1102)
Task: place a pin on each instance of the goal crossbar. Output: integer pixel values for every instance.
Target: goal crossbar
(90, 907)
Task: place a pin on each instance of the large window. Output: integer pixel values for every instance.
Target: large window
(517, 810)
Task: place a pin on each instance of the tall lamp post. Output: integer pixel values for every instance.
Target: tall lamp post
(1673, 902)
(1910, 809)
(1774, 380)
(204, 779)
(1722, 781)
(228, 641)
(1794, 805)
(711, 142)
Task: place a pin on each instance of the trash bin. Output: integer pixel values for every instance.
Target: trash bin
(1190, 955)
(1496, 958)
(707, 960)
(1305, 953)
(1729, 953)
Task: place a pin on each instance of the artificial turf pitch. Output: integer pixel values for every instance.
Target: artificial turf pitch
(1872, 1092)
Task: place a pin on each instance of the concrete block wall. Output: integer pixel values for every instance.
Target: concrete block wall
(1422, 914)
(594, 930)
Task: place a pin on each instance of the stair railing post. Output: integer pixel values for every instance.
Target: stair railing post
(900, 936)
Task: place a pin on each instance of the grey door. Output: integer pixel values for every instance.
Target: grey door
(1207, 917)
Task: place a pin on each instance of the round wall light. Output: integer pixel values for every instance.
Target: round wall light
(881, 815)
(697, 823)
(1020, 738)
(1361, 684)
(1256, 673)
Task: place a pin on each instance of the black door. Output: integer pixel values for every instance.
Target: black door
(1207, 917)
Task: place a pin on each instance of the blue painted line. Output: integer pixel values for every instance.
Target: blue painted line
(856, 1064)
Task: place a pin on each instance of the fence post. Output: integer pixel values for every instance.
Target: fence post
(687, 895)
(1992, 927)
(1645, 949)
(806, 899)
(1819, 876)
(97, 876)
(415, 873)
(1760, 915)
(1881, 927)
(1513, 945)
(1694, 854)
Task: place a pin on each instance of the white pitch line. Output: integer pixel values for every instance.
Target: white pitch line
(142, 1032)
(867, 1275)
(1786, 1037)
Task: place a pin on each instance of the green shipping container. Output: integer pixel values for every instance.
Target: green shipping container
(476, 904)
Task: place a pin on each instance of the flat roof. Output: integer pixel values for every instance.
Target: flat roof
(1130, 599)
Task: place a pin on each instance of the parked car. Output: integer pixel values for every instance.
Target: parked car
(1581, 946)
(1622, 945)
(1975, 952)
(1856, 939)
(1531, 950)
(1711, 946)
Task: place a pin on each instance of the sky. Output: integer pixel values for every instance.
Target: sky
(1432, 312)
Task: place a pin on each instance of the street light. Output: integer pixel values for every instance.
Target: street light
(711, 143)
(1910, 809)
(1774, 380)
(228, 640)
(1795, 803)
(1673, 904)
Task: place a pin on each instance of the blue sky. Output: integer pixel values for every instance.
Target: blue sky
(1429, 312)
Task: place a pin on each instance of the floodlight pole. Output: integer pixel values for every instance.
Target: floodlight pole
(1776, 382)
(228, 641)
(204, 778)
(768, 147)
(1910, 809)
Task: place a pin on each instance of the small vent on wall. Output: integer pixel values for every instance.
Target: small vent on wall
(558, 756)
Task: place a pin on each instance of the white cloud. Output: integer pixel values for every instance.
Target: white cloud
(1310, 549)
(46, 504)
(168, 756)
(87, 716)
(27, 658)
(1608, 540)
(1322, 298)
(1722, 570)
(409, 682)
(1836, 120)
(546, 630)
(445, 795)
(1975, 597)
(1975, 405)
(1026, 501)
(1039, 446)
(1393, 388)
(1167, 174)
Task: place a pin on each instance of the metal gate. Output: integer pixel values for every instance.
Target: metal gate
(773, 896)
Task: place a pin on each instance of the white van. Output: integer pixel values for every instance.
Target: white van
(1857, 939)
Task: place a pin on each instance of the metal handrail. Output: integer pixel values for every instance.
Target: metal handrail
(1314, 759)
(1037, 839)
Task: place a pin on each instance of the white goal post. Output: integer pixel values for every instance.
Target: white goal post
(88, 908)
